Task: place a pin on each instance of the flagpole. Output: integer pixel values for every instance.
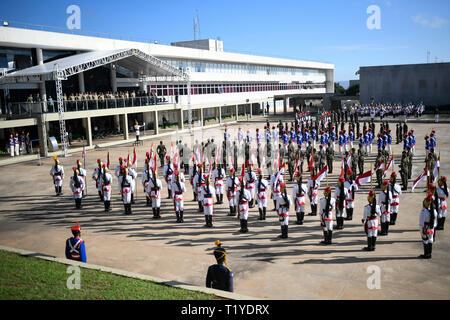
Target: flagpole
(371, 173)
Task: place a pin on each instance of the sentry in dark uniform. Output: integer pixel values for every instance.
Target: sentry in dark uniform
(75, 247)
(219, 276)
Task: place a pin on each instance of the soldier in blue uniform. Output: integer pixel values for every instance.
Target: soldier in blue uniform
(75, 246)
(219, 275)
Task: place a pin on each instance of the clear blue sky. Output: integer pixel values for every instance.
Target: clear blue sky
(322, 30)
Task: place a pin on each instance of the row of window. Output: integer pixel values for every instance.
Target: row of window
(240, 68)
(171, 90)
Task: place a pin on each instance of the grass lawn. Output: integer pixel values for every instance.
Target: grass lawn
(28, 278)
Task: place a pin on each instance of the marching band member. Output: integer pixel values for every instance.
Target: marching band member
(298, 194)
(154, 189)
(442, 193)
(262, 185)
(96, 175)
(106, 181)
(125, 182)
(327, 205)
(77, 187)
(284, 203)
(340, 194)
(384, 201)
(396, 192)
(178, 187)
(207, 195)
(427, 223)
(57, 172)
(370, 220)
(243, 197)
(219, 176)
(232, 187)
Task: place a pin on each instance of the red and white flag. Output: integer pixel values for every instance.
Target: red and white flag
(436, 168)
(380, 166)
(390, 163)
(322, 174)
(280, 173)
(421, 178)
(311, 162)
(366, 177)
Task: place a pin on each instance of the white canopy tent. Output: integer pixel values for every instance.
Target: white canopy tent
(145, 67)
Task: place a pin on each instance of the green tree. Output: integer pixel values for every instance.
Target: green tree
(338, 89)
(353, 90)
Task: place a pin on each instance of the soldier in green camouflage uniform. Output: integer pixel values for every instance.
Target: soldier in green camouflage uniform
(291, 160)
(322, 155)
(404, 167)
(354, 161)
(361, 154)
(330, 157)
(430, 160)
(379, 172)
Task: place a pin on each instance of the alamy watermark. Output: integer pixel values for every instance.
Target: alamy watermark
(74, 280)
(374, 280)
(374, 20)
(74, 20)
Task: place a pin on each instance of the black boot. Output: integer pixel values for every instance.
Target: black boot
(206, 221)
(148, 202)
(325, 238)
(440, 224)
(60, 190)
(132, 198)
(286, 228)
(106, 206)
(393, 218)
(330, 236)
(218, 199)
(251, 203)
(264, 213)
(260, 213)
(274, 206)
(57, 191)
(200, 206)
(386, 228)
(195, 196)
(169, 194)
(158, 212)
(315, 210)
(242, 226)
(221, 198)
(129, 208)
(100, 195)
(298, 218)
(443, 222)
(425, 252)
(382, 231)
(178, 216)
(210, 221)
(349, 214)
(374, 241)
(181, 216)
(430, 249)
(245, 225)
(369, 244)
(231, 212)
(125, 206)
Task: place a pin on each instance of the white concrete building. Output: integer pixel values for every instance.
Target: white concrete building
(223, 84)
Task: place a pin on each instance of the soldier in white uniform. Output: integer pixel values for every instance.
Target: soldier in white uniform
(117, 171)
(250, 181)
(77, 186)
(125, 182)
(154, 189)
(96, 176)
(327, 205)
(284, 203)
(106, 181)
(384, 201)
(442, 193)
(168, 171)
(396, 191)
(340, 194)
(57, 172)
(299, 196)
(207, 195)
(219, 184)
(199, 182)
(82, 174)
(243, 197)
(427, 223)
(146, 177)
(276, 188)
(178, 188)
(192, 174)
(370, 220)
(313, 194)
(351, 187)
(232, 187)
(132, 174)
(261, 187)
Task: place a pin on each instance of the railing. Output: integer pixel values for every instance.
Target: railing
(27, 109)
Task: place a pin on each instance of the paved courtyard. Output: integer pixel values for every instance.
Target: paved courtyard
(33, 218)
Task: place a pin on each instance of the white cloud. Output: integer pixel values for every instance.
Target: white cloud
(434, 22)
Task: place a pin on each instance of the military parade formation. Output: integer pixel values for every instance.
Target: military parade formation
(250, 170)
